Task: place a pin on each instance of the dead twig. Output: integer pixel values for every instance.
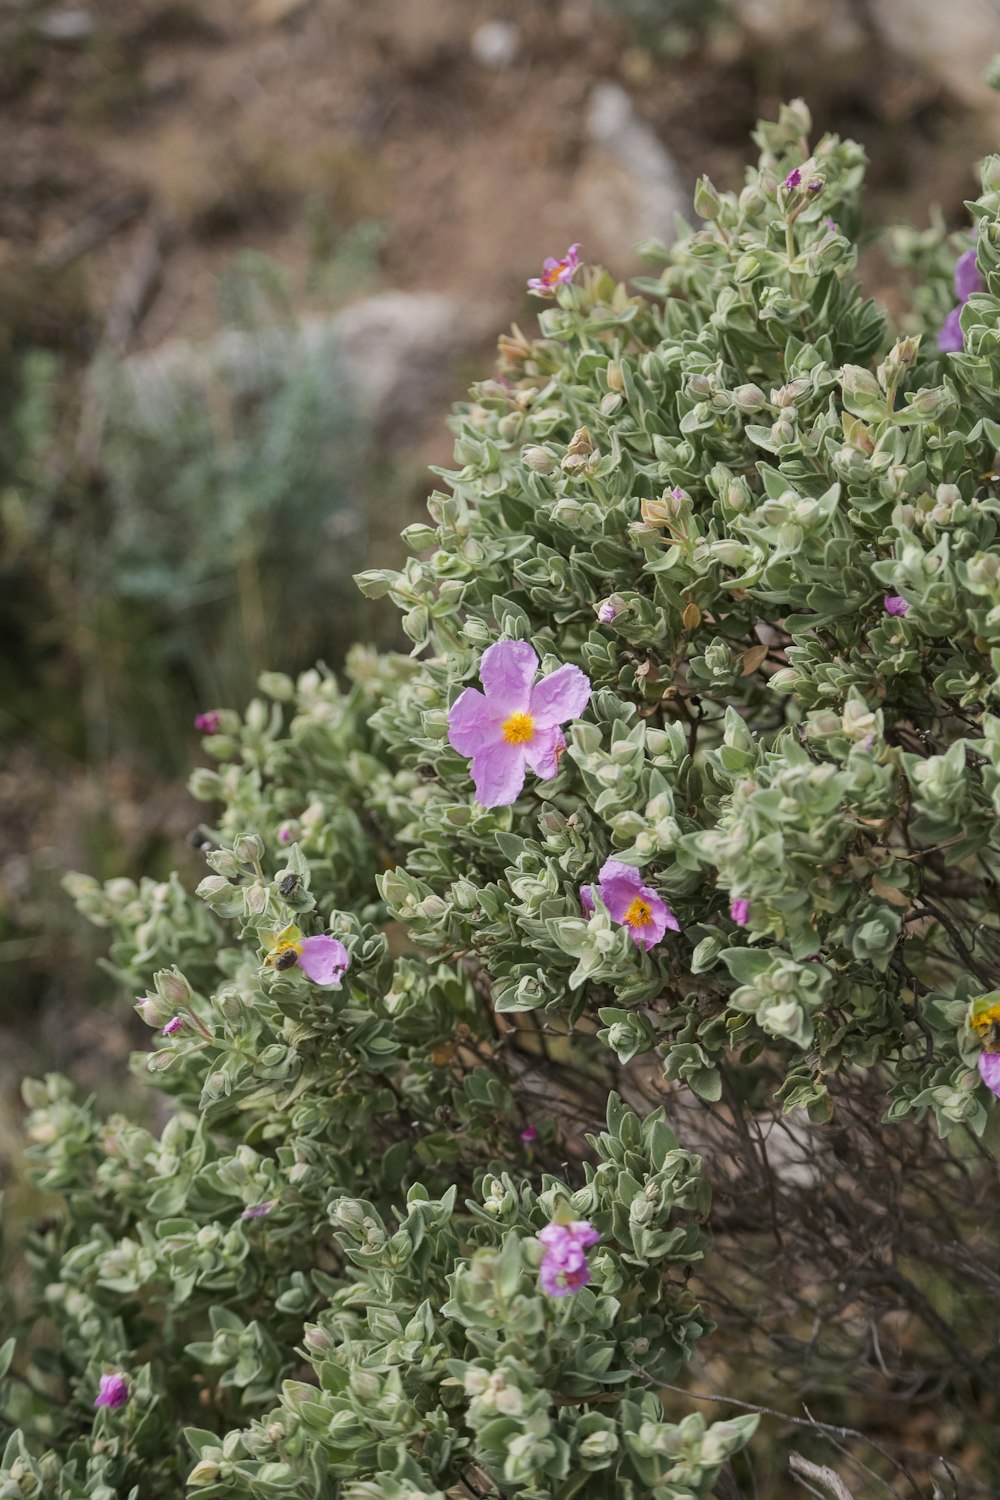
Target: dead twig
(819, 1474)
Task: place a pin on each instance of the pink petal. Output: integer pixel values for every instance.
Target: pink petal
(951, 339)
(584, 1232)
(473, 723)
(967, 277)
(587, 899)
(618, 883)
(563, 695)
(989, 1071)
(323, 959)
(542, 752)
(508, 669)
(498, 774)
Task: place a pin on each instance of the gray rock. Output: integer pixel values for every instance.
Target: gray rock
(395, 354)
(630, 186)
(69, 26)
(496, 44)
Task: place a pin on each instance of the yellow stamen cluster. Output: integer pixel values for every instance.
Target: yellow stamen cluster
(518, 729)
(639, 913)
(987, 1020)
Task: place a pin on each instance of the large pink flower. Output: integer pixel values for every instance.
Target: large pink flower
(636, 906)
(556, 272)
(514, 724)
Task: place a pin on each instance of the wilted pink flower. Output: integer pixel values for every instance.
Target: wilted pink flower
(208, 723)
(556, 272)
(739, 910)
(895, 604)
(112, 1392)
(606, 612)
(513, 724)
(989, 1071)
(564, 1267)
(173, 1026)
(256, 1211)
(636, 906)
(529, 1134)
(793, 179)
(967, 277)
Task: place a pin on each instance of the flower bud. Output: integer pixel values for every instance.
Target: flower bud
(539, 460)
(154, 1011)
(172, 987)
(749, 399)
(248, 848)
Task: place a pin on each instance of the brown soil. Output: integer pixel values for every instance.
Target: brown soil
(279, 124)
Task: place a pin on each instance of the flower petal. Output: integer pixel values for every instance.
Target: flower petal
(542, 752)
(563, 695)
(508, 669)
(618, 885)
(967, 277)
(472, 722)
(989, 1071)
(587, 900)
(950, 338)
(498, 774)
(323, 959)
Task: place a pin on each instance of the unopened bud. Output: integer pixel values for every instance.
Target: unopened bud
(248, 848)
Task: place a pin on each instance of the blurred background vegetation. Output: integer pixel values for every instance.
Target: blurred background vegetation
(249, 251)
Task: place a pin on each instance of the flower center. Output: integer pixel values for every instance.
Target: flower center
(285, 955)
(987, 1026)
(518, 729)
(638, 914)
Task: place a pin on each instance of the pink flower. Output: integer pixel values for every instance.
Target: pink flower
(256, 1211)
(529, 1135)
(895, 604)
(173, 1026)
(322, 959)
(208, 723)
(793, 179)
(564, 1267)
(950, 338)
(113, 1391)
(513, 724)
(556, 272)
(967, 277)
(989, 1071)
(831, 224)
(739, 910)
(815, 186)
(606, 612)
(636, 906)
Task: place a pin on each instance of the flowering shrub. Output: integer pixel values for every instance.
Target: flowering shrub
(425, 1214)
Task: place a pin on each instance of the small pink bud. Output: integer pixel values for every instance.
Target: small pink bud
(895, 605)
(529, 1134)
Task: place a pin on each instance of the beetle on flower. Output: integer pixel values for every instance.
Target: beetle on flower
(323, 959)
(515, 722)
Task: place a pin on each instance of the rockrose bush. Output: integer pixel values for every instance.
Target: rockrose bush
(575, 1072)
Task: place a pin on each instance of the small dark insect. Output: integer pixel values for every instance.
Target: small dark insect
(289, 885)
(287, 959)
(197, 839)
